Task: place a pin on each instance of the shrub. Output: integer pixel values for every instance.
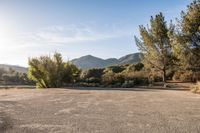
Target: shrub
(196, 88)
(12, 77)
(116, 69)
(183, 76)
(137, 77)
(128, 84)
(92, 75)
(50, 72)
(111, 78)
(139, 66)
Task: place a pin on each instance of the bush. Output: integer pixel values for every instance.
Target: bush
(139, 66)
(196, 88)
(138, 77)
(116, 69)
(111, 78)
(128, 84)
(183, 76)
(52, 72)
(115, 76)
(92, 75)
(11, 77)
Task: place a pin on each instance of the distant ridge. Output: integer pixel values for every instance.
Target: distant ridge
(131, 59)
(14, 67)
(89, 61)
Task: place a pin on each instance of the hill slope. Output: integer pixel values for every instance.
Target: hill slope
(16, 68)
(131, 59)
(89, 61)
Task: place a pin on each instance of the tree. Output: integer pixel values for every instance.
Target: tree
(92, 75)
(51, 72)
(155, 44)
(139, 66)
(71, 73)
(188, 37)
(2, 71)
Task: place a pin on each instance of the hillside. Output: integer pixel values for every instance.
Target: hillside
(89, 61)
(16, 68)
(130, 59)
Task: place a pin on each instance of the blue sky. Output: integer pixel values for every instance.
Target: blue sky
(103, 28)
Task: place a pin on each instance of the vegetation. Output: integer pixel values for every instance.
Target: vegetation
(52, 72)
(173, 50)
(92, 75)
(196, 88)
(115, 76)
(170, 52)
(187, 39)
(11, 77)
(155, 45)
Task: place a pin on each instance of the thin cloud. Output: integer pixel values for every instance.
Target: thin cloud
(76, 34)
(61, 35)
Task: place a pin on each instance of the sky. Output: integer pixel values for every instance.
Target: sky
(102, 28)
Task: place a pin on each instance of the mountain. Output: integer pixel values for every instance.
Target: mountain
(89, 61)
(131, 59)
(16, 68)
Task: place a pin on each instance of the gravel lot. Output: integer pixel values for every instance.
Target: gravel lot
(99, 111)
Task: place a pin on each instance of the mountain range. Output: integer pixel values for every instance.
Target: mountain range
(89, 61)
(14, 67)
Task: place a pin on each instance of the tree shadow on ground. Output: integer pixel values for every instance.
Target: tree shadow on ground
(127, 89)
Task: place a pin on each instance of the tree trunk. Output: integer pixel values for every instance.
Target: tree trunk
(164, 78)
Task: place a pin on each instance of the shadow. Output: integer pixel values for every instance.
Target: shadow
(125, 89)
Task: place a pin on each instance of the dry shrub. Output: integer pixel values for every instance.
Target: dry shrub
(183, 76)
(136, 78)
(196, 88)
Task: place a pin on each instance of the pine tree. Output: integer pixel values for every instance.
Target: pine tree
(155, 44)
(189, 36)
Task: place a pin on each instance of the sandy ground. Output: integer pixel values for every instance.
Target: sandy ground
(99, 111)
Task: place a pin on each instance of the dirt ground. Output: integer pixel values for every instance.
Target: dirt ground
(92, 110)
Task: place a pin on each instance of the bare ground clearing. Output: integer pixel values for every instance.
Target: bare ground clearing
(99, 111)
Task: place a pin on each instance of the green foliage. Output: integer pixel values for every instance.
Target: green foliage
(114, 76)
(155, 44)
(71, 73)
(139, 66)
(2, 71)
(135, 77)
(11, 77)
(130, 76)
(186, 39)
(92, 75)
(110, 78)
(116, 69)
(50, 72)
(183, 76)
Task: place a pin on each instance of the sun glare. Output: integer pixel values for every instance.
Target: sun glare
(6, 34)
